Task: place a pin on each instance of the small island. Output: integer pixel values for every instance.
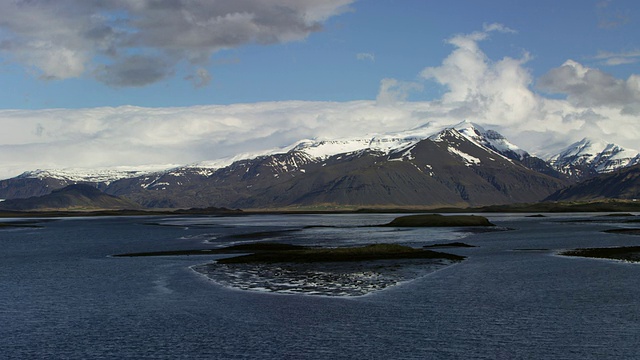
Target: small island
(436, 220)
(347, 271)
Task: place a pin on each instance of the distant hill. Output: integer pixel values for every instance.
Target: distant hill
(73, 197)
(621, 184)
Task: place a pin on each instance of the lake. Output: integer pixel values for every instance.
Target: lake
(63, 296)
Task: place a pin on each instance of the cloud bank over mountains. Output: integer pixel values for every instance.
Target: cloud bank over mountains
(568, 103)
(138, 42)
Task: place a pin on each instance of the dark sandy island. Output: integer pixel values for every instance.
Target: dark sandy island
(625, 253)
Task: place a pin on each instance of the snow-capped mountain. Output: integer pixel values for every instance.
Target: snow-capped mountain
(415, 168)
(460, 165)
(589, 157)
(491, 139)
(622, 184)
(319, 149)
(315, 150)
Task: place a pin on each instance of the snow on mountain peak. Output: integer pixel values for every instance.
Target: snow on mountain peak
(491, 139)
(587, 150)
(321, 149)
(467, 127)
(106, 175)
(385, 143)
(324, 148)
(599, 155)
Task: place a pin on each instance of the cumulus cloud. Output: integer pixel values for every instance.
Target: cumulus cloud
(587, 87)
(499, 94)
(496, 90)
(69, 38)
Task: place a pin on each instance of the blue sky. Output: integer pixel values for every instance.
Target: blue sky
(545, 73)
(395, 39)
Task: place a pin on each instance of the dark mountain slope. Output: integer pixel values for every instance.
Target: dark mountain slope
(448, 170)
(72, 197)
(620, 184)
(22, 187)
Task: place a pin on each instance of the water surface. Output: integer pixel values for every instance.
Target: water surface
(63, 296)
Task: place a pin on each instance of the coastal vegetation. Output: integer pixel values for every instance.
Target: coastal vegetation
(436, 220)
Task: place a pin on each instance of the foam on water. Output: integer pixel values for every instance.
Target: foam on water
(329, 279)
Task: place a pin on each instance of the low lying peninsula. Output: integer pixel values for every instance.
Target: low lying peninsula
(625, 253)
(362, 253)
(624, 231)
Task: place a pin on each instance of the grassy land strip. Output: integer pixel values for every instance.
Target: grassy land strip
(363, 253)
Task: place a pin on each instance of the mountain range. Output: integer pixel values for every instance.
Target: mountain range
(621, 184)
(464, 165)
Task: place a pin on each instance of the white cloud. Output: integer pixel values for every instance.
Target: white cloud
(109, 39)
(621, 58)
(499, 94)
(496, 90)
(587, 87)
(366, 56)
(392, 90)
(497, 27)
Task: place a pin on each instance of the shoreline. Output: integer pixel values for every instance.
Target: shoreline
(610, 206)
